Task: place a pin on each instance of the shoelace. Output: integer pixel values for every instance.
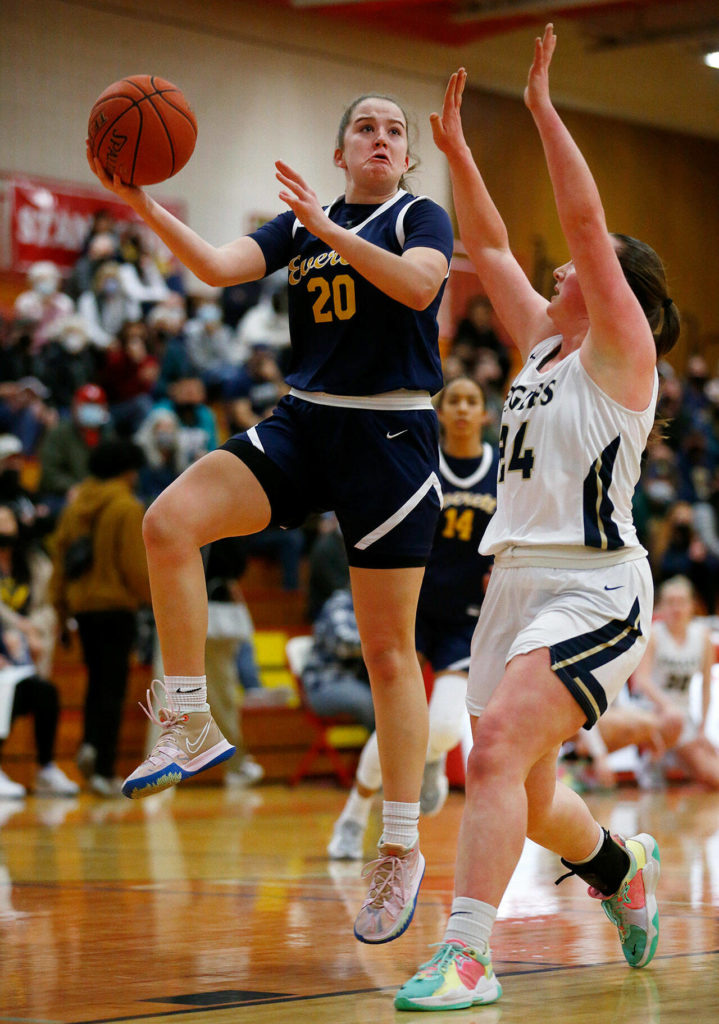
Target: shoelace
(446, 953)
(167, 717)
(387, 875)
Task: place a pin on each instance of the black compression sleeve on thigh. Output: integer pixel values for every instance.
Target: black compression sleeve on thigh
(605, 871)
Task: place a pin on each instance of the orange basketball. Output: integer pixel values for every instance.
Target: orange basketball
(142, 128)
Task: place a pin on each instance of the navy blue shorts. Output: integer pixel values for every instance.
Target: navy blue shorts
(376, 469)
(445, 643)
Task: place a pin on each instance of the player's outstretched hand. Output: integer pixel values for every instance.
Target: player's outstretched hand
(114, 184)
(300, 198)
(537, 90)
(447, 127)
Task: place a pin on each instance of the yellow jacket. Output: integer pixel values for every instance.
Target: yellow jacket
(109, 512)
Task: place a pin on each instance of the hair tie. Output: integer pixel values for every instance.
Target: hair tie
(666, 303)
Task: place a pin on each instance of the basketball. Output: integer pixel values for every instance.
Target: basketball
(142, 129)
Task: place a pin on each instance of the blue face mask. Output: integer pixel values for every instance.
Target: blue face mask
(111, 286)
(209, 314)
(91, 415)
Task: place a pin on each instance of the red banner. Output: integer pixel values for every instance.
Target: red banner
(49, 220)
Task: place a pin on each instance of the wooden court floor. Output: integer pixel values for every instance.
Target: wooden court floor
(218, 906)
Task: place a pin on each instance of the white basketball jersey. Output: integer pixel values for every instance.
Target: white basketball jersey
(569, 463)
(676, 663)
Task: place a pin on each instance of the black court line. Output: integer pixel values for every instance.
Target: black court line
(546, 969)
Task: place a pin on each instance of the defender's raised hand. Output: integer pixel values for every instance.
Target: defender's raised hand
(447, 126)
(537, 90)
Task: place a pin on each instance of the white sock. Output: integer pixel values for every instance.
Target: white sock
(188, 693)
(369, 772)
(447, 714)
(357, 808)
(596, 849)
(471, 921)
(401, 824)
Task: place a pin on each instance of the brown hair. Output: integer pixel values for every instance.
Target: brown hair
(645, 275)
(347, 116)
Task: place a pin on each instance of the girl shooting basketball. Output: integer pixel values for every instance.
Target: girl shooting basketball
(357, 434)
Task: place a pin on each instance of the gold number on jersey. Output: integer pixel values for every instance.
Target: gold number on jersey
(335, 301)
(521, 460)
(458, 524)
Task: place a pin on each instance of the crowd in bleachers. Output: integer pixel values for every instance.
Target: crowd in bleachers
(118, 349)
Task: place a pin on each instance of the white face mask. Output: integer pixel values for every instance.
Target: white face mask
(73, 342)
(89, 414)
(45, 286)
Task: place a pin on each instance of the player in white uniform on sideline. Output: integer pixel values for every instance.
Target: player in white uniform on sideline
(679, 648)
(568, 607)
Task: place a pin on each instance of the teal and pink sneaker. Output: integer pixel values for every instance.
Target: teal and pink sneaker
(633, 907)
(456, 978)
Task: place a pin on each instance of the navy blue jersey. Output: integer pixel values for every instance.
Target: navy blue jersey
(348, 337)
(453, 580)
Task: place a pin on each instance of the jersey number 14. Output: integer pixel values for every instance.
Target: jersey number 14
(521, 459)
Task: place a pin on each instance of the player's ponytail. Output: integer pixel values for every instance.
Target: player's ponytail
(645, 275)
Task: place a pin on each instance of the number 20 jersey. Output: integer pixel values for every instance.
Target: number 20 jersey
(348, 337)
(569, 463)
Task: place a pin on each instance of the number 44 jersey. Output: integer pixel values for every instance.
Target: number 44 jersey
(569, 460)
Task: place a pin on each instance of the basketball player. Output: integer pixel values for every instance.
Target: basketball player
(357, 434)
(568, 608)
(449, 602)
(679, 648)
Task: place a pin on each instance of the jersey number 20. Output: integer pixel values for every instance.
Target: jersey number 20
(335, 301)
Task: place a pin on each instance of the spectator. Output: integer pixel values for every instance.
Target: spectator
(679, 551)
(475, 334)
(33, 517)
(65, 451)
(24, 576)
(167, 342)
(129, 376)
(106, 306)
(24, 411)
(335, 678)
(328, 566)
(254, 390)
(211, 346)
(236, 299)
(101, 247)
(159, 438)
(267, 323)
(230, 627)
(198, 429)
(43, 304)
(100, 578)
(706, 517)
(24, 692)
(67, 361)
(140, 274)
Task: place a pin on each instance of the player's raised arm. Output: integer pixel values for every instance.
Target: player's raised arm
(520, 308)
(238, 261)
(620, 338)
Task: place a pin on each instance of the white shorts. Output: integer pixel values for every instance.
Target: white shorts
(595, 623)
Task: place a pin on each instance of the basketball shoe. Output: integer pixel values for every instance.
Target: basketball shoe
(347, 840)
(435, 787)
(633, 907)
(395, 878)
(455, 978)
(189, 742)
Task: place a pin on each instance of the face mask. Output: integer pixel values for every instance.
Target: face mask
(8, 540)
(209, 314)
(73, 342)
(682, 535)
(91, 415)
(9, 483)
(165, 440)
(111, 286)
(185, 408)
(45, 286)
